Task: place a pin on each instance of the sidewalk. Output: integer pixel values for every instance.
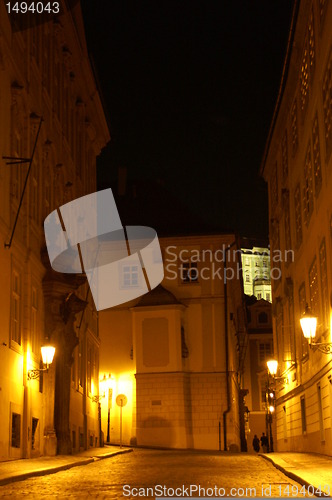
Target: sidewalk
(305, 468)
(18, 470)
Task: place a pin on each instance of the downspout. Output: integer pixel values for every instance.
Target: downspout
(228, 391)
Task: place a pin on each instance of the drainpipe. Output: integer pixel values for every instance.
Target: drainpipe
(228, 391)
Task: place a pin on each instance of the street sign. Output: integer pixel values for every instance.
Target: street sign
(121, 400)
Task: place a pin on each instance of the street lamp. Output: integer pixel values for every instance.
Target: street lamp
(47, 352)
(270, 408)
(272, 366)
(309, 325)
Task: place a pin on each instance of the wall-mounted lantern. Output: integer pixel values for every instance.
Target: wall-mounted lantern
(47, 352)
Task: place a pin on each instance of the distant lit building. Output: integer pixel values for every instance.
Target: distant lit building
(45, 72)
(298, 168)
(256, 271)
(177, 353)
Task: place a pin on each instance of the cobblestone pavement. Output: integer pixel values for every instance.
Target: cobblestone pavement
(164, 470)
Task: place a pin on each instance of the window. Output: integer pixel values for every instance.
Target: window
(287, 226)
(323, 283)
(295, 138)
(89, 366)
(16, 308)
(259, 296)
(313, 288)
(262, 317)
(73, 440)
(285, 422)
(298, 215)
(308, 199)
(189, 272)
(311, 44)
(265, 351)
(327, 106)
(316, 157)
(34, 431)
(268, 297)
(322, 11)
(130, 276)
(247, 278)
(303, 416)
(16, 430)
(304, 79)
(320, 412)
(34, 325)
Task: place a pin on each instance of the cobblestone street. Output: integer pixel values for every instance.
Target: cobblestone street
(168, 469)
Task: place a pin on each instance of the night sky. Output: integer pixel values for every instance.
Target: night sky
(189, 89)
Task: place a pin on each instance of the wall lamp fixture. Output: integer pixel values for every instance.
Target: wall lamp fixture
(272, 366)
(47, 352)
(96, 399)
(309, 326)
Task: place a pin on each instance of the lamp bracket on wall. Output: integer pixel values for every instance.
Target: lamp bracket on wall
(325, 347)
(96, 399)
(33, 374)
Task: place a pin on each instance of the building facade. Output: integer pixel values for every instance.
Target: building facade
(177, 352)
(298, 168)
(256, 271)
(52, 118)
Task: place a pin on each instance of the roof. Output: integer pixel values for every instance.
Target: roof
(159, 296)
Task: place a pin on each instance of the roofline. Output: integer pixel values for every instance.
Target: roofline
(282, 85)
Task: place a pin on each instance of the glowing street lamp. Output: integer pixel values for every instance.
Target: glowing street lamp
(272, 366)
(47, 352)
(309, 326)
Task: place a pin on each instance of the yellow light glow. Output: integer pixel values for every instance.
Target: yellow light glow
(271, 409)
(308, 324)
(47, 352)
(272, 366)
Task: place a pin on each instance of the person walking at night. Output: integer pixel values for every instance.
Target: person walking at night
(264, 443)
(255, 443)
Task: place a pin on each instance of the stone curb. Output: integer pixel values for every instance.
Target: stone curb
(21, 476)
(287, 473)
